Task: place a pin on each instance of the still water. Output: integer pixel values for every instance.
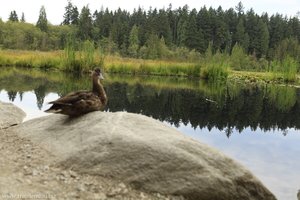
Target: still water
(258, 125)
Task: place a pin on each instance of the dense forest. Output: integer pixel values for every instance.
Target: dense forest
(159, 33)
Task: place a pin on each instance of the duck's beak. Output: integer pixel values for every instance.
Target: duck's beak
(101, 76)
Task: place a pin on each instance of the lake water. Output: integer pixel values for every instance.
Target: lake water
(257, 125)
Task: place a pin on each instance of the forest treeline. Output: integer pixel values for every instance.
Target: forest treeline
(159, 33)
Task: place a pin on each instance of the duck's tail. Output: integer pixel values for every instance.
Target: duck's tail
(53, 109)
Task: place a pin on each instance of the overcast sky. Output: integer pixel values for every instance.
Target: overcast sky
(55, 8)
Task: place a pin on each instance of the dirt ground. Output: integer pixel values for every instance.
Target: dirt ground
(27, 171)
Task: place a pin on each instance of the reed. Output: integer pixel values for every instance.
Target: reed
(216, 67)
(210, 66)
(115, 64)
(285, 70)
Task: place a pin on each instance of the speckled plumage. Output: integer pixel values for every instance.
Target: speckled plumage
(82, 102)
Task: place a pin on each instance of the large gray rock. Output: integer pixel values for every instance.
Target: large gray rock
(144, 153)
(10, 115)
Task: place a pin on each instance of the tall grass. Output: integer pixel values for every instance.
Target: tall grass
(285, 69)
(69, 57)
(30, 59)
(215, 66)
(81, 60)
(211, 66)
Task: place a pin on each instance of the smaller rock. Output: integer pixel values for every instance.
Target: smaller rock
(100, 196)
(19, 180)
(46, 168)
(73, 174)
(120, 189)
(35, 172)
(28, 181)
(80, 188)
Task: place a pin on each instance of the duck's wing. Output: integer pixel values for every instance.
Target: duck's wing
(72, 98)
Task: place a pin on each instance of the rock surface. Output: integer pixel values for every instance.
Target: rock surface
(28, 171)
(10, 115)
(144, 153)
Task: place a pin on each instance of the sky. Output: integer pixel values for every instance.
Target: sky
(56, 8)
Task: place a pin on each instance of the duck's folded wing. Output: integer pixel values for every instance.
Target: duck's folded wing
(72, 98)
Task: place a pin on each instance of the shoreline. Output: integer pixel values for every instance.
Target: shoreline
(55, 61)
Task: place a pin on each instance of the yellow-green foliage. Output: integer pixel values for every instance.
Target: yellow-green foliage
(285, 69)
(114, 64)
(216, 66)
(32, 59)
(69, 59)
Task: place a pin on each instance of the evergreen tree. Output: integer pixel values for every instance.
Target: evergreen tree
(85, 25)
(139, 18)
(263, 38)
(120, 29)
(276, 30)
(220, 30)
(241, 37)
(42, 22)
(204, 23)
(68, 13)
(13, 17)
(74, 16)
(194, 37)
(231, 19)
(23, 18)
(182, 26)
(163, 26)
(173, 21)
(133, 41)
(103, 22)
(240, 9)
(251, 29)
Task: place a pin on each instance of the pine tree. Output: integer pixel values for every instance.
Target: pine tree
(262, 39)
(194, 37)
(204, 23)
(68, 13)
(133, 41)
(163, 26)
(240, 36)
(74, 16)
(23, 18)
(221, 33)
(240, 9)
(251, 29)
(173, 21)
(182, 26)
(13, 17)
(276, 30)
(85, 25)
(42, 22)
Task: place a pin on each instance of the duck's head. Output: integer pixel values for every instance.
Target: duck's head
(97, 72)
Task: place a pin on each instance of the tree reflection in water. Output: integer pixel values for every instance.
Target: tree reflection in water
(175, 100)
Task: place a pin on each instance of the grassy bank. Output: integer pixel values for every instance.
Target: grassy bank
(213, 67)
(83, 61)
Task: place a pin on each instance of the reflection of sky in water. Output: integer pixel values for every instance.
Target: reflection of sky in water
(272, 157)
(28, 103)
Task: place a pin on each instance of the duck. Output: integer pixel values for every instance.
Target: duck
(82, 102)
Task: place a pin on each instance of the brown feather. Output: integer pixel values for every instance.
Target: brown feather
(81, 102)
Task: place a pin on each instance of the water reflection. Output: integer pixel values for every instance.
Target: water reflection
(267, 115)
(229, 107)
